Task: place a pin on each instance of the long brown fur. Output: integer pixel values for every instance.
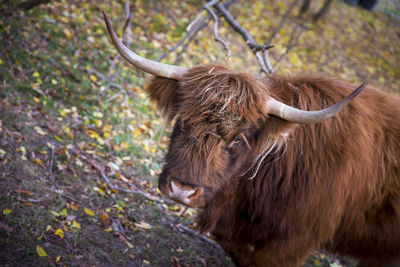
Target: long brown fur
(333, 185)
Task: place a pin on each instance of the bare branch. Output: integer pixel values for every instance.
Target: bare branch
(189, 27)
(262, 57)
(266, 60)
(216, 22)
(51, 168)
(112, 186)
(293, 41)
(334, 45)
(189, 35)
(180, 215)
(192, 232)
(282, 20)
(193, 28)
(113, 70)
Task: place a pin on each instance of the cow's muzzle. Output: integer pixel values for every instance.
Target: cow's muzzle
(188, 195)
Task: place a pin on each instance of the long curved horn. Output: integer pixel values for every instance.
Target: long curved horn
(292, 114)
(149, 66)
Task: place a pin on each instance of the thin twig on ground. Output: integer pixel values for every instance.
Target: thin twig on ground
(192, 232)
(51, 168)
(180, 215)
(112, 186)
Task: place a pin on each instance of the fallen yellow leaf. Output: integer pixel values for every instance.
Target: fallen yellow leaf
(98, 123)
(121, 177)
(143, 225)
(38, 162)
(40, 251)
(64, 19)
(93, 78)
(57, 259)
(6, 211)
(59, 232)
(39, 130)
(73, 206)
(54, 213)
(124, 145)
(64, 212)
(23, 192)
(104, 217)
(76, 225)
(67, 33)
(88, 211)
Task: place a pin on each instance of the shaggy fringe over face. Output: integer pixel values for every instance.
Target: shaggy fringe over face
(214, 94)
(213, 104)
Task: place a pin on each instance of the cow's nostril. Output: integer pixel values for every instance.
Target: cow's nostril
(186, 194)
(198, 192)
(179, 191)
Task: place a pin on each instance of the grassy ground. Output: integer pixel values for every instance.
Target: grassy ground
(70, 116)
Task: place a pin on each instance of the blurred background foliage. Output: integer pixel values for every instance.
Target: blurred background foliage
(63, 89)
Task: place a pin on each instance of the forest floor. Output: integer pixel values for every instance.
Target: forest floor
(76, 125)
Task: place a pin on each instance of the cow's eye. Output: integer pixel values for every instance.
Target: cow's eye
(238, 139)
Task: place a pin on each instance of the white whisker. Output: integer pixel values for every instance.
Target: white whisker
(261, 159)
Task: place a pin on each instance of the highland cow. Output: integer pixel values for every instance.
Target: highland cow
(276, 167)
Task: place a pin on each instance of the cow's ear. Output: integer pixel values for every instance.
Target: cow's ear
(164, 92)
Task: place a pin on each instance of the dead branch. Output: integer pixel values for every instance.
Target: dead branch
(323, 10)
(192, 29)
(51, 168)
(334, 45)
(257, 49)
(121, 92)
(180, 215)
(112, 186)
(113, 70)
(293, 41)
(216, 22)
(211, 3)
(281, 22)
(194, 233)
(192, 32)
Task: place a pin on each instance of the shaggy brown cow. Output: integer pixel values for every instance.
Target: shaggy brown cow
(275, 182)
